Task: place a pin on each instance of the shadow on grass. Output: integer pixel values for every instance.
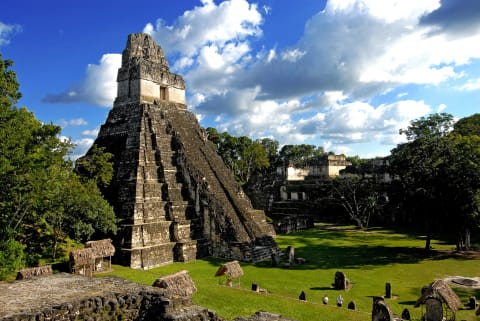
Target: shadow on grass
(321, 288)
(327, 257)
(346, 247)
(407, 302)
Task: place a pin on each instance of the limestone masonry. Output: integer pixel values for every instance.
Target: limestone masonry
(61, 297)
(175, 198)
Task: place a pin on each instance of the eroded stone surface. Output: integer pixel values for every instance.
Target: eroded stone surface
(73, 297)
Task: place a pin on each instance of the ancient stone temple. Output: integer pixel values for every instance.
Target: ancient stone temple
(175, 198)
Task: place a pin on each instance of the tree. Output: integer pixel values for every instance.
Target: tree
(12, 257)
(440, 172)
(462, 188)
(431, 127)
(358, 196)
(36, 177)
(242, 155)
(299, 155)
(78, 210)
(271, 149)
(468, 126)
(97, 165)
(214, 137)
(253, 159)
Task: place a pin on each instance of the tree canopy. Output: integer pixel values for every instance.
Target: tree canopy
(440, 170)
(241, 154)
(42, 201)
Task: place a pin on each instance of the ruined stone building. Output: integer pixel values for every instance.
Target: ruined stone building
(287, 194)
(293, 209)
(321, 167)
(293, 203)
(172, 193)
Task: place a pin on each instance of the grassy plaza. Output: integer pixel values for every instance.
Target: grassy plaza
(369, 258)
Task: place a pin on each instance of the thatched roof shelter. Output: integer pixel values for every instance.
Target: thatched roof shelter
(442, 291)
(82, 257)
(91, 258)
(178, 284)
(101, 248)
(231, 269)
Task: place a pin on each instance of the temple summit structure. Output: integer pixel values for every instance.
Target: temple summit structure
(174, 197)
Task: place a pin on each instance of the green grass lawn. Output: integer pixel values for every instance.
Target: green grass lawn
(368, 258)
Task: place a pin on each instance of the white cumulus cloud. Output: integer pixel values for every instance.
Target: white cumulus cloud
(208, 24)
(6, 31)
(91, 132)
(99, 86)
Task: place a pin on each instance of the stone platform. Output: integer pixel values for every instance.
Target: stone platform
(73, 297)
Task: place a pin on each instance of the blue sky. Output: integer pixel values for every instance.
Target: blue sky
(342, 74)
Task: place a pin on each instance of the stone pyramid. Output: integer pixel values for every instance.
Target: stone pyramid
(174, 197)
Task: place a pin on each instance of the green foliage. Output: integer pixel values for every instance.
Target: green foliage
(77, 211)
(440, 172)
(242, 155)
(12, 257)
(271, 147)
(357, 161)
(41, 200)
(468, 126)
(433, 126)
(97, 165)
(299, 155)
(9, 94)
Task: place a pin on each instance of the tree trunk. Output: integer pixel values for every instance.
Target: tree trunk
(467, 239)
(460, 241)
(427, 243)
(428, 239)
(358, 221)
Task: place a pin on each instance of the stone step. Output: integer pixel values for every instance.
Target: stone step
(148, 257)
(181, 231)
(185, 251)
(175, 193)
(150, 234)
(150, 212)
(171, 176)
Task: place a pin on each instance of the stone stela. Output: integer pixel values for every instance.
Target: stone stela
(174, 197)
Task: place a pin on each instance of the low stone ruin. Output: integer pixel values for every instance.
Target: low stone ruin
(72, 297)
(232, 271)
(177, 284)
(34, 271)
(352, 305)
(65, 296)
(263, 316)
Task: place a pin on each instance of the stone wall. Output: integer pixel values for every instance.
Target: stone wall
(72, 297)
(69, 297)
